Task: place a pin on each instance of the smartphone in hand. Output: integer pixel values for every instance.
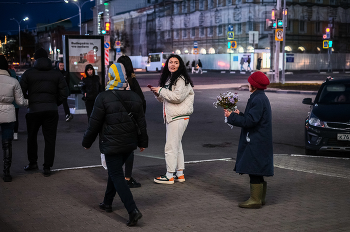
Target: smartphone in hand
(149, 86)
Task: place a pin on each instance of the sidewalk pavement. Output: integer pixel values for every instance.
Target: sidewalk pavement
(306, 194)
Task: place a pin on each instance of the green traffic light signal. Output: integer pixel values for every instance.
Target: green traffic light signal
(330, 44)
(228, 44)
(103, 32)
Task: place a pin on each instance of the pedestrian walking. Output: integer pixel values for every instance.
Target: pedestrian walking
(15, 132)
(258, 66)
(45, 89)
(193, 65)
(135, 87)
(199, 66)
(177, 96)
(242, 63)
(60, 67)
(90, 88)
(10, 91)
(248, 61)
(255, 150)
(118, 117)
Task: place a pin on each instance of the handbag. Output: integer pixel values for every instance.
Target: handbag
(129, 113)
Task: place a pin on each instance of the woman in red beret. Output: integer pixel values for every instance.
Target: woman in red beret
(255, 151)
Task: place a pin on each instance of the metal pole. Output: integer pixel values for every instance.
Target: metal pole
(80, 19)
(19, 38)
(278, 15)
(284, 42)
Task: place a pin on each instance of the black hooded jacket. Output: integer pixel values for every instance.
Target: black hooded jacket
(91, 85)
(44, 87)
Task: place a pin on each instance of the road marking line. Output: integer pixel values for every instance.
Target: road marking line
(210, 160)
(74, 168)
(325, 157)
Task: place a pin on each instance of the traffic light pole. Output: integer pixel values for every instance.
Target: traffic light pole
(278, 9)
(284, 41)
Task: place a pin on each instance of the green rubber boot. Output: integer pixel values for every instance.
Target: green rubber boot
(256, 193)
(263, 202)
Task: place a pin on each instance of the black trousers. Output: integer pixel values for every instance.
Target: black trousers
(48, 121)
(66, 107)
(89, 106)
(116, 182)
(129, 163)
(254, 179)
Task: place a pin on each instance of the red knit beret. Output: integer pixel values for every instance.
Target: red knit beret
(259, 80)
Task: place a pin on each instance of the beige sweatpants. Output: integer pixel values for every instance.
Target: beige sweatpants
(174, 155)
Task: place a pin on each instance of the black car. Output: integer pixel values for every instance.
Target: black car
(327, 127)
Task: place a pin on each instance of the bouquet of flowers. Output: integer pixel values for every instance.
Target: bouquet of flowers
(227, 101)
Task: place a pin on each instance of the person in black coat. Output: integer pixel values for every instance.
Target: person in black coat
(134, 86)
(60, 67)
(255, 149)
(45, 89)
(118, 136)
(90, 88)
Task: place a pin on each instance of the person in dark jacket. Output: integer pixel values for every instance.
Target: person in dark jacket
(60, 67)
(90, 88)
(193, 65)
(199, 67)
(134, 86)
(45, 89)
(255, 149)
(118, 136)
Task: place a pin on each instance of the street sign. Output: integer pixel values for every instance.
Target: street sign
(195, 44)
(279, 34)
(107, 45)
(230, 28)
(230, 35)
(253, 37)
(117, 43)
(233, 44)
(118, 50)
(325, 44)
(195, 51)
(290, 58)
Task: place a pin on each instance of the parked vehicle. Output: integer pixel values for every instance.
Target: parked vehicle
(327, 127)
(156, 61)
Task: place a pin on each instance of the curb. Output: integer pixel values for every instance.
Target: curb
(282, 91)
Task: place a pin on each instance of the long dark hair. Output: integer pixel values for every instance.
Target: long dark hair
(129, 69)
(173, 77)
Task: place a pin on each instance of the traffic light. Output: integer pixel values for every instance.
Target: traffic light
(103, 31)
(328, 33)
(231, 44)
(330, 44)
(273, 14)
(274, 24)
(280, 23)
(107, 26)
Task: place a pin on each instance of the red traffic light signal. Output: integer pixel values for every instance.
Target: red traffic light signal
(273, 14)
(107, 26)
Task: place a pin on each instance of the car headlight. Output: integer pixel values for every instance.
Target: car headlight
(315, 121)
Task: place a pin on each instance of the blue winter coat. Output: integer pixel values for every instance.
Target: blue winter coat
(255, 149)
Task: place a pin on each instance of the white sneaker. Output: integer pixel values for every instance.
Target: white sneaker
(15, 136)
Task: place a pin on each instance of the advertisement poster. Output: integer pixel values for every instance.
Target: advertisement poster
(81, 51)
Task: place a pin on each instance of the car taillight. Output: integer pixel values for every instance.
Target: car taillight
(163, 64)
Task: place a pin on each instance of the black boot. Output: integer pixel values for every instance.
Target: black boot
(134, 216)
(7, 148)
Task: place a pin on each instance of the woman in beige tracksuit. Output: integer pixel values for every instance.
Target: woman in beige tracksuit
(177, 95)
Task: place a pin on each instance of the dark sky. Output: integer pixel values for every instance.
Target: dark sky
(40, 11)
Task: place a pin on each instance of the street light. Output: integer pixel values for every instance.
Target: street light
(19, 37)
(76, 2)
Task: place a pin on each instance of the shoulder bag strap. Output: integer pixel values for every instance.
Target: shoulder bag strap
(128, 111)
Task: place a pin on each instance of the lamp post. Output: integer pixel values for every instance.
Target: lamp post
(19, 37)
(76, 2)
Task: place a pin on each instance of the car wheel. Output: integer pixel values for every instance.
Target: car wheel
(146, 69)
(310, 152)
(157, 69)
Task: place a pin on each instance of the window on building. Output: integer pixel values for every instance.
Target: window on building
(201, 4)
(210, 31)
(168, 34)
(220, 30)
(176, 34)
(302, 26)
(332, 2)
(193, 32)
(218, 3)
(318, 1)
(192, 6)
(239, 28)
(184, 33)
(288, 48)
(184, 7)
(289, 25)
(249, 26)
(201, 31)
(210, 4)
(178, 51)
(211, 51)
(318, 27)
(203, 51)
(229, 2)
(176, 8)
